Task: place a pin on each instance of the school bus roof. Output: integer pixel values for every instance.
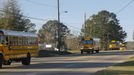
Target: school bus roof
(87, 38)
(18, 33)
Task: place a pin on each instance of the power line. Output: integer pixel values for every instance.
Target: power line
(131, 1)
(76, 28)
(39, 19)
(42, 4)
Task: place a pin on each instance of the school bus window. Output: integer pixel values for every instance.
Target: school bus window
(22, 42)
(9, 40)
(2, 39)
(25, 39)
(16, 40)
(29, 41)
(12, 40)
(33, 41)
(6, 40)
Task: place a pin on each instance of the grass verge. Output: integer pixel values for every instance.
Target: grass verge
(125, 68)
(74, 51)
(50, 53)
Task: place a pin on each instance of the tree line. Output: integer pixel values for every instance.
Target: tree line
(106, 26)
(12, 18)
(103, 25)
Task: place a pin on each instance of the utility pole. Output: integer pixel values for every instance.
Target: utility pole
(85, 24)
(133, 35)
(59, 27)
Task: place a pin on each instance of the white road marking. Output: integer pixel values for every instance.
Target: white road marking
(87, 70)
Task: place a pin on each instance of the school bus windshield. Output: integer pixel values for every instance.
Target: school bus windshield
(1, 39)
(88, 42)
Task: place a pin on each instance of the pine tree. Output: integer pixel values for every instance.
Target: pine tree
(105, 26)
(13, 19)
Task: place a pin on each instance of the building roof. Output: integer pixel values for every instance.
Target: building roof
(18, 33)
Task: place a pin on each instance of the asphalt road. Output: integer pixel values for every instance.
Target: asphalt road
(74, 64)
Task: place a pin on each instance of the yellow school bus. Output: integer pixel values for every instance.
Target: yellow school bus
(122, 46)
(114, 45)
(17, 46)
(90, 45)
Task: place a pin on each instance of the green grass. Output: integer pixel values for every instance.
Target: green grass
(128, 63)
(125, 68)
(113, 72)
